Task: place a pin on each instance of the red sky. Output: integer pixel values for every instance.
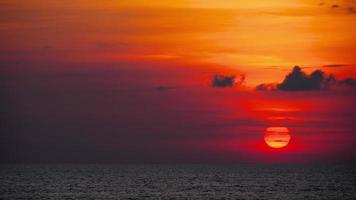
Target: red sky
(80, 80)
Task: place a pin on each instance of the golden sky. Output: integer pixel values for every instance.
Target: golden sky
(261, 39)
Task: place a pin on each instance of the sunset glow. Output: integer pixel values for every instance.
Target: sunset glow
(178, 81)
(178, 99)
(261, 39)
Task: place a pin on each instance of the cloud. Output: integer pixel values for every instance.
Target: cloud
(338, 65)
(297, 80)
(335, 65)
(345, 6)
(347, 10)
(347, 82)
(334, 6)
(223, 81)
(312, 8)
(266, 87)
(351, 10)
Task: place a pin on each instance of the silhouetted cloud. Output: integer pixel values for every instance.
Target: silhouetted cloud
(223, 81)
(335, 65)
(297, 80)
(347, 82)
(266, 87)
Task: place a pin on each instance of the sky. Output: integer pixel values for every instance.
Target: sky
(131, 81)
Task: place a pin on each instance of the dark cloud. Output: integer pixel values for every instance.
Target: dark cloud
(334, 6)
(297, 80)
(266, 87)
(223, 81)
(335, 65)
(347, 82)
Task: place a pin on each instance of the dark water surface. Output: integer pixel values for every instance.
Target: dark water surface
(176, 182)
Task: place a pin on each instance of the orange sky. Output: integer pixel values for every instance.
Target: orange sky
(262, 39)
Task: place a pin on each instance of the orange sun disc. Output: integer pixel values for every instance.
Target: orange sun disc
(277, 137)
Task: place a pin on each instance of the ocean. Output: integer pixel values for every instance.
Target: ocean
(75, 181)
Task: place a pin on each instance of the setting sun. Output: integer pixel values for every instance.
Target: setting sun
(277, 137)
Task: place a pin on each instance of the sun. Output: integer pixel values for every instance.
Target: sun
(277, 137)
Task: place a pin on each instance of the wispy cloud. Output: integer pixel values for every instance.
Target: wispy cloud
(338, 65)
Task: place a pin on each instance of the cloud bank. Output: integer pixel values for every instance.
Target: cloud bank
(297, 80)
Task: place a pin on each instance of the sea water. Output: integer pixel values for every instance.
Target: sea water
(70, 181)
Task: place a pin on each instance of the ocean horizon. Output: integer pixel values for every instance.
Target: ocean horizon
(177, 181)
